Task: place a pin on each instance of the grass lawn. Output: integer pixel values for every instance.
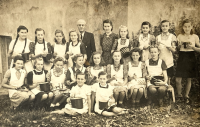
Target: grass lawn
(181, 115)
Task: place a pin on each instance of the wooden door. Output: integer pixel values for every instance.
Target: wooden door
(4, 61)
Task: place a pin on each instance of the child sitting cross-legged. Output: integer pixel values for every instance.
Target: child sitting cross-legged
(82, 92)
(105, 102)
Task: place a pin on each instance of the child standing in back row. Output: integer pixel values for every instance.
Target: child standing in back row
(166, 44)
(145, 39)
(186, 64)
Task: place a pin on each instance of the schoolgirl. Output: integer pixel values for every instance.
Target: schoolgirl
(20, 46)
(81, 90)
(97, 65)
(117, 76)
(166, 42)
(74, 46)
(156, 69)
(145, 39)
(14, 81)
(107, 40)
(105, 103)
(123, 42)
(186, 63)
(72, 71)
(60, 48)
(41, 48)
(136, 77)
(56, 77)
(34, 79)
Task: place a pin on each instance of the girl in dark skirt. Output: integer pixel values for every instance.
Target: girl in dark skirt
(186, 64)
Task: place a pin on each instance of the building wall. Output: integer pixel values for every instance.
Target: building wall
(155, 11)
(60, 14)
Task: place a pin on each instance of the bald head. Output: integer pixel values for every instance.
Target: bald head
(81, 25)
(81, 21)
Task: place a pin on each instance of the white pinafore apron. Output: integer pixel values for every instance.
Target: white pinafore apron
(19, 47)
(57, 80)
(14, 81)
(39, 49)
(96, 72)
(60, 49)
(75, 49)
(73, 75)
(144, 42)
(36, 79)
(119, 75)
(166, 54)
(122, 46)
(140, 82)
(155, 70)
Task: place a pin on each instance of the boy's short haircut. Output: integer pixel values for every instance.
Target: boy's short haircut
(18, 57)
(80, 73)
(76, 57)
(102, 73)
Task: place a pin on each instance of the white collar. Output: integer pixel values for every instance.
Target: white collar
(162, 34)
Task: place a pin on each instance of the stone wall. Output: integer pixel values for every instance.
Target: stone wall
(60, 14)
(155, 11)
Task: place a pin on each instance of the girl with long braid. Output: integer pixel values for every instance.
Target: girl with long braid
(20, 46)
(41, 48)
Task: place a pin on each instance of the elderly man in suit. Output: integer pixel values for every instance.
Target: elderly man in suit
(87, 38)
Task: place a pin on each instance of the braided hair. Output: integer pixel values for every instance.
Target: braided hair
(18, 30)
(40, 29)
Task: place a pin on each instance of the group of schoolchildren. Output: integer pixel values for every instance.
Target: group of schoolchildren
(125, 69)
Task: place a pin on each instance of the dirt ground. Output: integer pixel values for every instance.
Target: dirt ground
(175, 115)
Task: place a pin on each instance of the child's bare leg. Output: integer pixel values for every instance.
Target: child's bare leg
(44, 97)
(56, 99)
(188, 86)
(169, 79)
(139, 95)
(179, 86)
(115, 94)
(92, 100)
(105, 113)
(50, 95)
(121, 97)
(134, 94)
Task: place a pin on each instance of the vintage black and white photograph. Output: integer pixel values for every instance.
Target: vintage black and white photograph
(99, 63)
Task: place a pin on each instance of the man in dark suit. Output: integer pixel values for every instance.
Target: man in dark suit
(87, 38)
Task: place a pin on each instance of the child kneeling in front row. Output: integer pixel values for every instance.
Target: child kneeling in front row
(105, 102)
(81, 90)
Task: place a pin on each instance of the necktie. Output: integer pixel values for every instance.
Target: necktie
(81, 36)
(18, 74)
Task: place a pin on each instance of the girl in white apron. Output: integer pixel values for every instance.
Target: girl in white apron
(145, 39)
(72, 71)
(41, 48)
(117, 72)
(56, 77)
(14, 81)
(34, 79)
(166, 42)
(20, 46)
(60, 49)
(137, 72)
(74, 46)
(123, 42)
(97, 65)
(156, 67)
